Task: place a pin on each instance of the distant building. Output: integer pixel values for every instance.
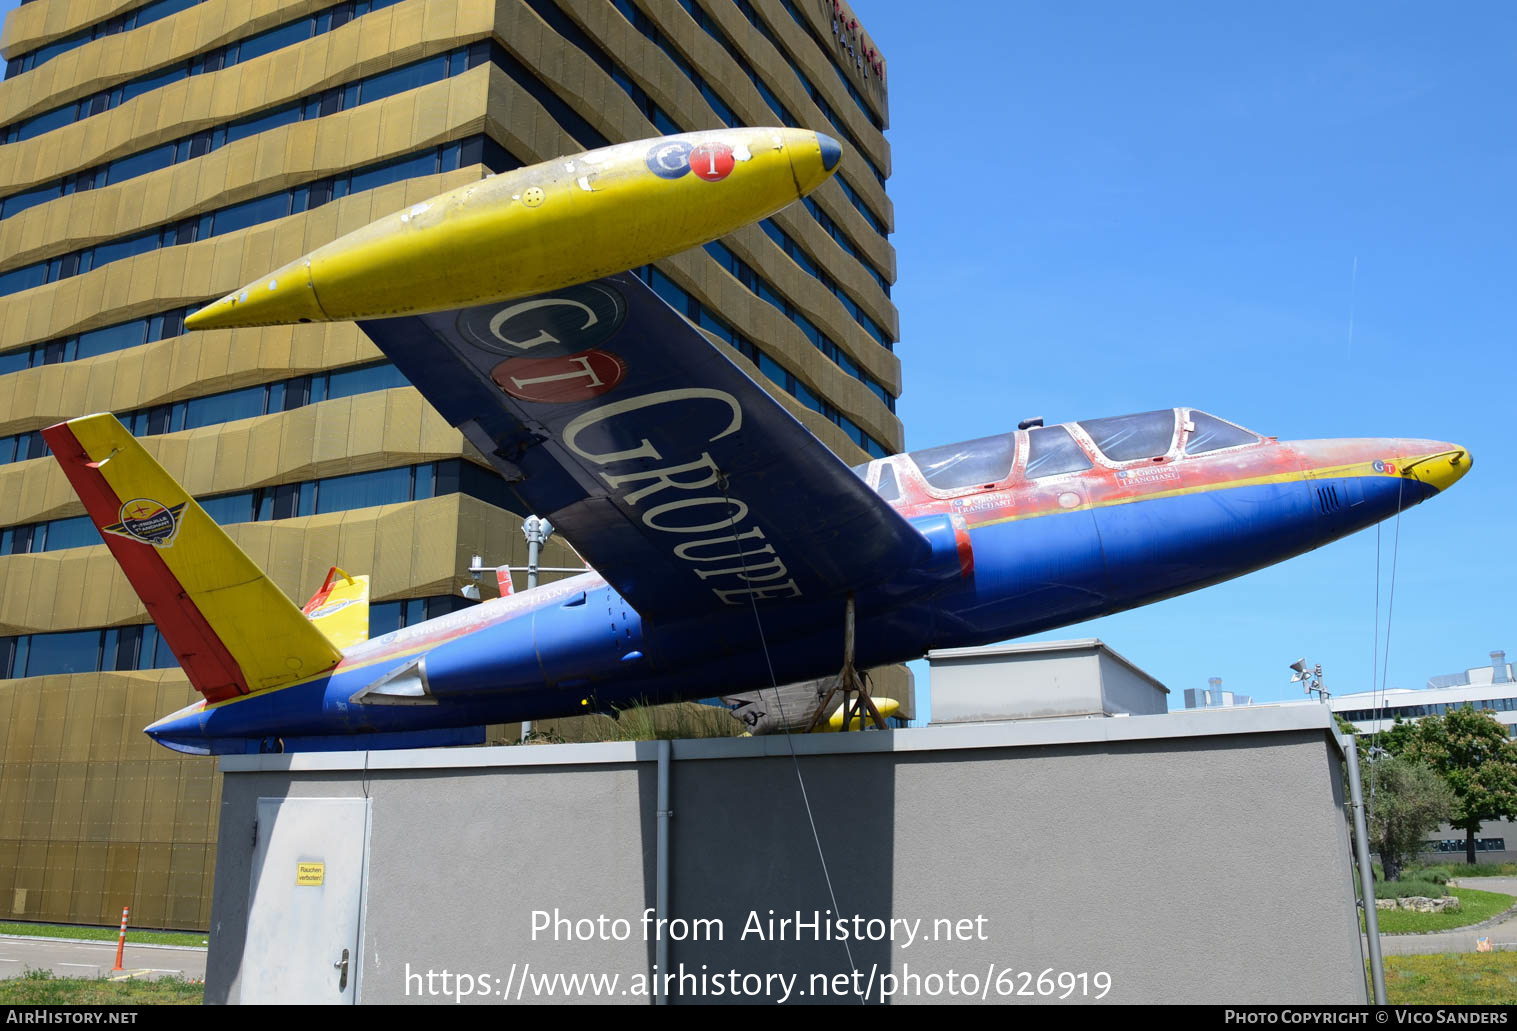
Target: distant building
(1213, 697)
(1491, 688)
(1482, 688)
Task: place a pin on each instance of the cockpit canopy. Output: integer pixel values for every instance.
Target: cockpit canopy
(1067, 448)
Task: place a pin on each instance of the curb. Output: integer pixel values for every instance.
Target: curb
(101, 941)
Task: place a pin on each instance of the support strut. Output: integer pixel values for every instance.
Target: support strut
(852, 683)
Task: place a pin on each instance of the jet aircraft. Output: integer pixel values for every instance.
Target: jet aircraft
(725, 539)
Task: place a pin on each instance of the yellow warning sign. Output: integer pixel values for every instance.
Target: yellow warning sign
(310, 873)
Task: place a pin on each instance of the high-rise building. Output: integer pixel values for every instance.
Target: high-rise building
(157, 155)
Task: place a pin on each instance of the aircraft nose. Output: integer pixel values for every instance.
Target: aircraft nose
(284, 297)
(1438, 464)
(832, 153)
(814, 157)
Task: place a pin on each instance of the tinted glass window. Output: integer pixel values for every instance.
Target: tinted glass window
(1123, 438)
(78, 532)
(364, 490)
(215, 408)
(229, 508)
(76, 652)
(964, 465)
(112, 338)
(1212, 434)
(364, 379)
(1051, 451)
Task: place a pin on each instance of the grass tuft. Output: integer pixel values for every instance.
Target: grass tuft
(1465, 978)
(42, 988)
(105, 934)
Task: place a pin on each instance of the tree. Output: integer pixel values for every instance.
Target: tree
(1471, 751)
(1351, 732)
(1410, 800)
(1395, 738)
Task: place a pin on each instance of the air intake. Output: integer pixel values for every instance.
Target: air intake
(1498, 668)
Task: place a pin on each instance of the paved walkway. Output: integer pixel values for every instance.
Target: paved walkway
(1503, 935)
(81, 959)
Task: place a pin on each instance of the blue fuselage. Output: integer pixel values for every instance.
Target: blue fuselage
(1013, 558)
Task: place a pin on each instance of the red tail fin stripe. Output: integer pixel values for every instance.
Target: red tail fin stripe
(210, 667)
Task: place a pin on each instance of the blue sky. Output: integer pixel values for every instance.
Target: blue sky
(1106, 208)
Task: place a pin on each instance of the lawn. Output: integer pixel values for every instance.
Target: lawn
(1467, 978)
(41, 988)
(1475, 906)
(133, 935)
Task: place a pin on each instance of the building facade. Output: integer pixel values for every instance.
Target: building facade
(1491, 689)
(158, 155)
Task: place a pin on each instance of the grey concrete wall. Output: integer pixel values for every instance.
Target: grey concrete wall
(1042, 680)
(1125, 690)
(1056, 841)
(968, 688)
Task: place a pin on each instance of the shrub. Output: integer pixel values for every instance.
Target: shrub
(1436, 874)
(1407, 888)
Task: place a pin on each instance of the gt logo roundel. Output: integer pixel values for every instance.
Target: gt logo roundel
(561, 380)
(712, 161)
(567, 321)
(669, 160)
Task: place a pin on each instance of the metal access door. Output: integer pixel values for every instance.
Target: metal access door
(305, 902)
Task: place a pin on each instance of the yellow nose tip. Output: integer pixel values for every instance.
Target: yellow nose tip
(814, 157)
(1440, 469)
(284, 297)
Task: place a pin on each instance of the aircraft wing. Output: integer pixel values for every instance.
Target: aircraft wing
(675, 475)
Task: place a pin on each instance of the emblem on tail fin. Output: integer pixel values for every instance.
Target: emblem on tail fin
(148, 521)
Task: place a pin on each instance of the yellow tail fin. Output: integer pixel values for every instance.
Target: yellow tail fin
(340, 610)
(231, 627)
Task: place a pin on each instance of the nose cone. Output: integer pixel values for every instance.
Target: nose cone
(832, 153)
(1436, 463)
(814, 157)
(183, 731)
(279, 299)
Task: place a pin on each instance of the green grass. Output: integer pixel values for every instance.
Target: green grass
(133, 935)
(1475, 906)
(1468, 978)
(1458, 870)
(41, 988)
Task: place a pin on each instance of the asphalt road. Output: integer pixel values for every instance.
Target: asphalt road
(75, 959)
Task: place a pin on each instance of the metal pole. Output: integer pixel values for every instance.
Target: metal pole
(661, 878)
(1366, 872)
(537, 531)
